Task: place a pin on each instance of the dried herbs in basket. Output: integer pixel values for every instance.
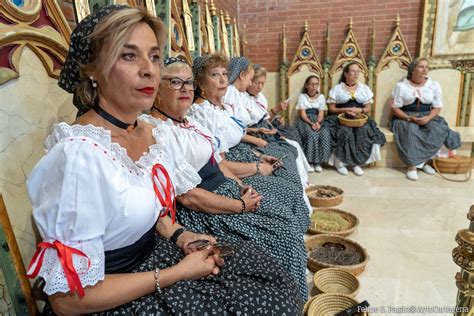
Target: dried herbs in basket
(337, 254)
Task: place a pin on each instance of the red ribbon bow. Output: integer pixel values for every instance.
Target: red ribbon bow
(207, 137)
(65, 257)
(168, 201)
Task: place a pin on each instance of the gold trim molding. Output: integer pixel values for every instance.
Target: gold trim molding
(396, 50)
(350, 51)
(305, 55)
(48, 40)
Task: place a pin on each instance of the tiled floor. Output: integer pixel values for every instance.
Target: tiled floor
(408, 229)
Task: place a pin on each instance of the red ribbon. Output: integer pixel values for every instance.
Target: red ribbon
(65, 257)
(207, 137)
(261, 105)
(168, 201)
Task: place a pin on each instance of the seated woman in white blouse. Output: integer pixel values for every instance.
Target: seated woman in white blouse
(316, 137)
(352, 146)
(265, 121)
(220, 118)
(103, 196)
(418, 129)
(260, 125)
(280, 215)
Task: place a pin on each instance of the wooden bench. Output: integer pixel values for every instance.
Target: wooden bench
(390, 156)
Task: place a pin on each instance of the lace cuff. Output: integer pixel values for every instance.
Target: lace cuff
(186, 178)
(52, 270)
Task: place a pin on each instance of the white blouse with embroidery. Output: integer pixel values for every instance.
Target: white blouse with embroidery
(194, 140)
(89, 195)
(339, 94)
(405, 93)
(258, 107)
(219, 122)
(238, 104)
(305, 103)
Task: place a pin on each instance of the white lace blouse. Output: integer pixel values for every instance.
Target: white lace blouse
(339, 94)
(195, 141)
(305, 103)
(219, 122)
(405, 93)
(89, 195)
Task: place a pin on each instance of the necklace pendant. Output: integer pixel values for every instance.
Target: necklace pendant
(130, 128)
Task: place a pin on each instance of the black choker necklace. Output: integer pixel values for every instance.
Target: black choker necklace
(351, 85)
(171, 118)
(115, 121)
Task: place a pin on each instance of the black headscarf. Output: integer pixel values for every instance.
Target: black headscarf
(80, 51)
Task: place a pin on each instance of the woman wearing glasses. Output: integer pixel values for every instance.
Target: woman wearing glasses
(352, 146)
(222, 204)
(315, 136)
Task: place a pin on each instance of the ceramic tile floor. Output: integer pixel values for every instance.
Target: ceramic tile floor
(408, 229)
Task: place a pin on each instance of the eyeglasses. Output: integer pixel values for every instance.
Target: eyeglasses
(218, 75)
(177, 83)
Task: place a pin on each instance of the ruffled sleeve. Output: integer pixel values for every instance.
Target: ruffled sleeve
(182, 174)
(366, 96)
(301, 104)
(322, 102)
(212, 119)
(70, 193)
(397, 96)
(437, 95)
(333, 95)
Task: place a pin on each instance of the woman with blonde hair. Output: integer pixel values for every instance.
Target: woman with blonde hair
(103, 196)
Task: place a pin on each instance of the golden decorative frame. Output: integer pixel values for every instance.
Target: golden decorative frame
(236, 39)
(188, 24)
(350, 51)
(428, 33)
(224, 36)
(49, 43)
(211, 45)
(396, 50)
(179, 44)
(305, 55)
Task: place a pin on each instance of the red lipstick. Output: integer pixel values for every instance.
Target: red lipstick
(147, 90)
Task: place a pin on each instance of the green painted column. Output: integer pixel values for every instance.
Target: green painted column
(196, 20)
(163, 11)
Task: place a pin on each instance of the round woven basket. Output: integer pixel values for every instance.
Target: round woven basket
(317, 240)
(336, 281)
(358, 121)
(351, 218)
(316, 196)
(306, 305)
(453, 165)
(331, 304)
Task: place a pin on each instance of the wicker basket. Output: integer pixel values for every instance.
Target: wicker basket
(454, 165)
(315, 265)
(321, 201)
(331, 304)
(336, 281)
(358, 121)
(351, 218)
(307, 304)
